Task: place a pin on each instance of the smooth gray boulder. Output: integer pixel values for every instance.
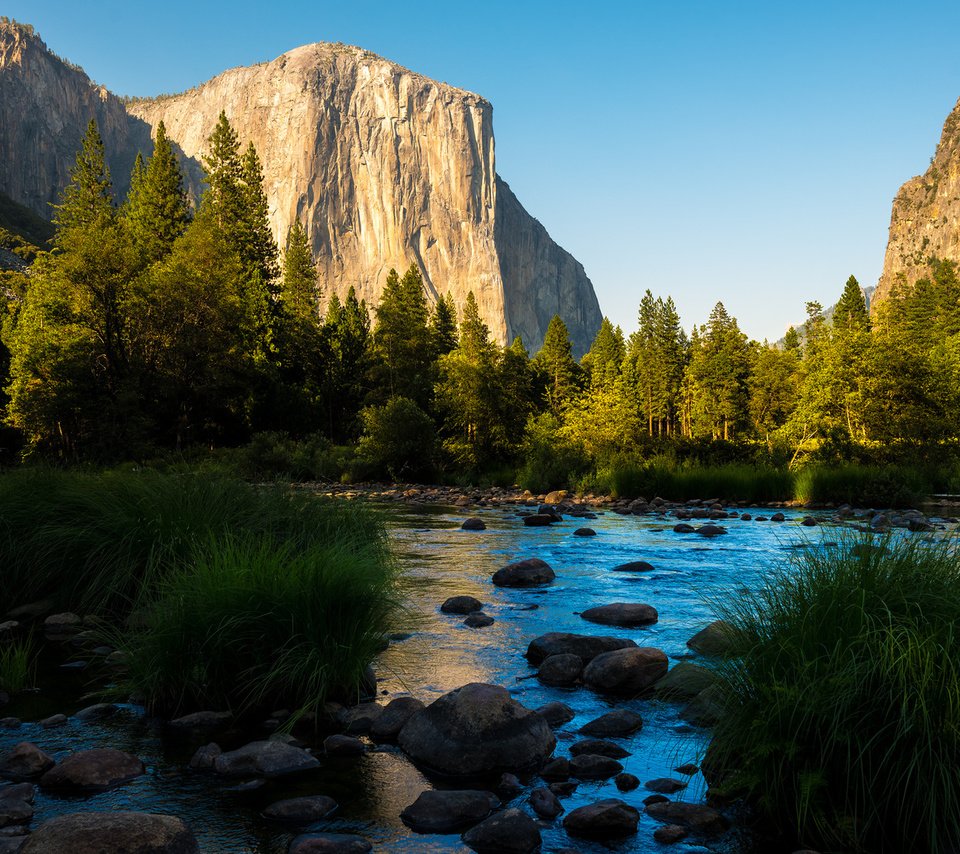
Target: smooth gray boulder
(587, 647)
(448, 811)
(264, 759)
(329, 843)
(561, 670)
(615, 724)
(477, 729)
(92, 771)
(715, 640)
(684, 681)
(461, 605)
(697, 817)
(112, 833)
(532, 572)
(305, 810)
(626, 671)
(509, 832)
(395, 715)
(625, 614)
(606, 819)
(24, 761)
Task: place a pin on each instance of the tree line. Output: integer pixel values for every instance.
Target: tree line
(152, 326)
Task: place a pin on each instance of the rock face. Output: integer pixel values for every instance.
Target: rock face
(128, 832)
(386, 168)
(925, 220)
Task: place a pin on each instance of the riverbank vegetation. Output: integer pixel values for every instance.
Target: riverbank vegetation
(219, 594)
(842, 712)
(155, 331)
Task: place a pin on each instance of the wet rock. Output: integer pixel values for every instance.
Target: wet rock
(16, 804)
(556, 771)
(587, 647)
(301, 810)
(557, 496)
(245, 789)
(343, 745)
(716, 639)
(532, 572)
(563, 788)
(116, 832)
(461, 605)
(97, 712)
(626, 671)
(776, 517)
(626, 782)
(24, 761)
(31, 611)
(448, 811)
(474, 523)
(560, 670)
(205, 721)
(9, 629)
(584, 532)
(684, 681)
(655, 799)
(682, 528)
(395, 714)
(589, 766)
(329, 843)
(477, 729)
(360, 718)
(479, 621)
(60, 625)
(93, 771)
(509, 786)
(545, 803)
(809, 522)
(625, 614)
(598, 747)
(53, 721)
(746, 517)
(205, 757)
(615, 724)
(556, 713)
(264, 759)
(696, 817)
(634, 566)
(689, 769)
(711, 530)
(670, 834)
(606, 819)
(507, 832)
(665, 785)
(540, 520)
(10, 723)
(705, 709)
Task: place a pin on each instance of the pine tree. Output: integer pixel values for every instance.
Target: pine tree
(257, 247)
(346, 335)
(604, 360)
(88, 198)
(443, 325)
(156, 212)
(299, 291)
(224, 177)
(850, 312)
(555, 361)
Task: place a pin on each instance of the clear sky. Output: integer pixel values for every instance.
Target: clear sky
(738, 151)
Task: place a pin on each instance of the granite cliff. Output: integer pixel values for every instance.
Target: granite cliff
(385, 168)
(925, 220)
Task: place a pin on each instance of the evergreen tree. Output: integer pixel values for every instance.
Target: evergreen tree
(850, 312)
(224, 175)
(88, 199)
(256, 245)
(604, 360)
(156, 212)
(443, 325)
(555, 361)
(299, 291)
(346, 336)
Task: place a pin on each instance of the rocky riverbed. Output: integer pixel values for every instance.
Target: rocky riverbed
(549, 691)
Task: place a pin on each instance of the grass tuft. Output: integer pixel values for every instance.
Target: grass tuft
(842, 721)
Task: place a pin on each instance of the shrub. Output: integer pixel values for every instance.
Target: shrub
(398, 439)
(549, 460)
(842, 703)
(18, 664)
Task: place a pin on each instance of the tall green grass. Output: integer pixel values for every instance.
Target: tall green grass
(251, 622)
(873, 486)
(842, 704)
(18, 665)
(90, 542)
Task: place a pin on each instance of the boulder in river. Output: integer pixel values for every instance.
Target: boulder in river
(264, 759)
(606, 819)
(449, 810)
(592, 766)
(305, 810)
(474, 523)
(540, 520)
(99, 832)
(586, 647)
(395, 714)
(684, 681)
(584, 532)
(556, 713)
(24, 761)
(479, 620)
(598, 747)
(697, 817)
(16, 805)
(615, 724)
(532, 572)
(329, 843)
(93, 771)
(626, 671)
(560, 671)
(509, 832)
(634, 566)
(477, 729)
(624, 614)
(461, 605)
(545, 803)
(716, 639)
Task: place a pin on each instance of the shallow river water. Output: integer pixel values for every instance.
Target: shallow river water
(441, 654)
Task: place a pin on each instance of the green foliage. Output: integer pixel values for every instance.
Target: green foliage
(21, 230)
(18, 665)
(398, 439)
(837, 699)
(555, 362)
(871, 486)
(272, 456)
(251, 621)
(550, 461)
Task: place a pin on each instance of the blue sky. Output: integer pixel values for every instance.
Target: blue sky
(744, 152)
